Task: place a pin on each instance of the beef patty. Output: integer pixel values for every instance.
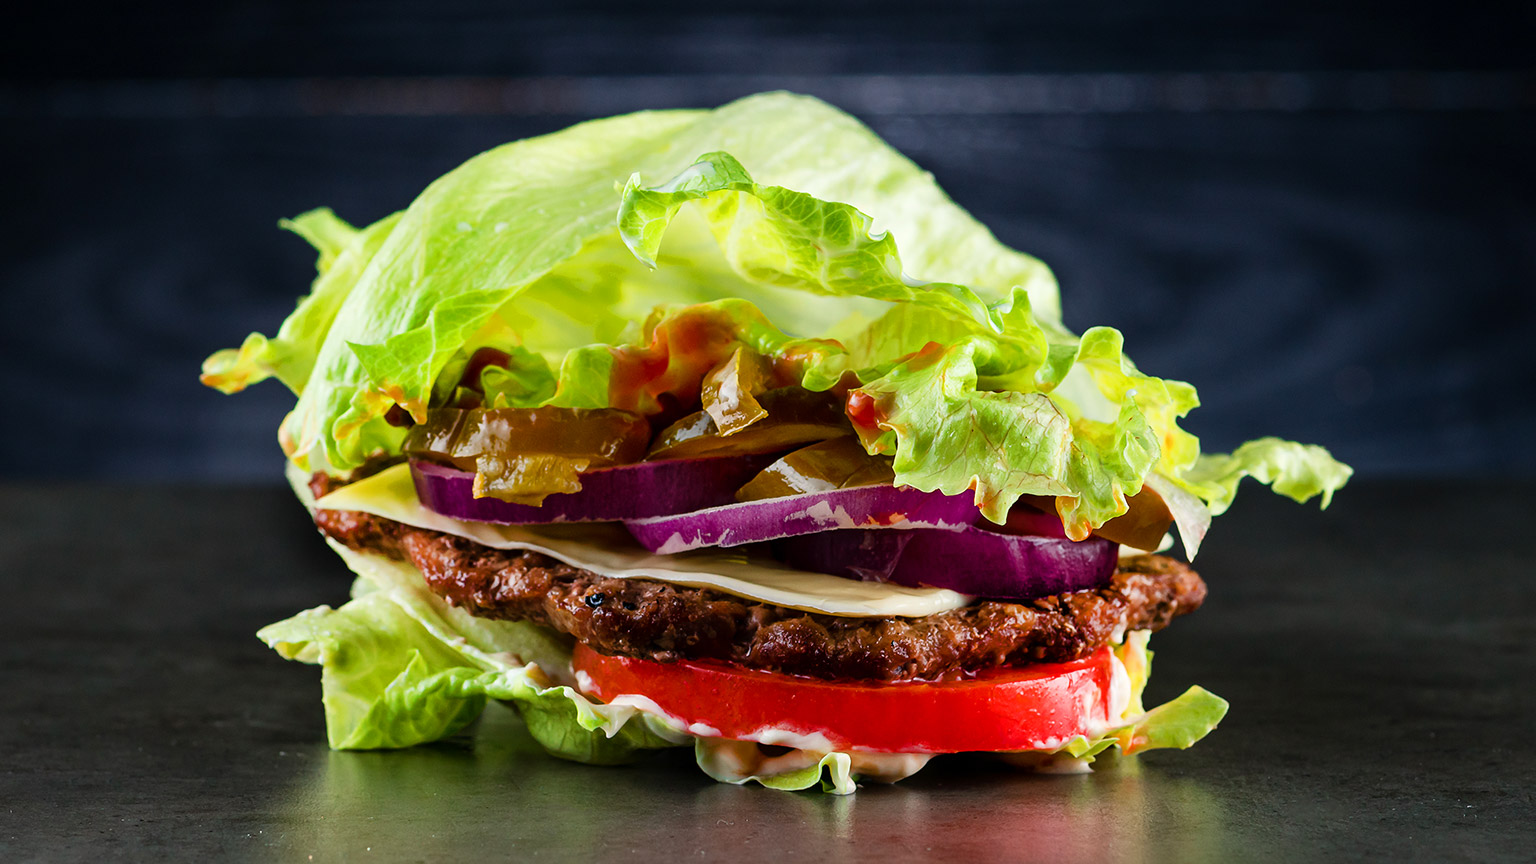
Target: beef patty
(661, 621)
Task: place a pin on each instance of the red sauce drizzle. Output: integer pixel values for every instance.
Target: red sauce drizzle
(863, 411)
(681, 352)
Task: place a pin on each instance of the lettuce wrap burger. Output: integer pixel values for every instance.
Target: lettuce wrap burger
(728, 429)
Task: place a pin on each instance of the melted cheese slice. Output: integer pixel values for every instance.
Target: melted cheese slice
(1131, 551)
(607, 549)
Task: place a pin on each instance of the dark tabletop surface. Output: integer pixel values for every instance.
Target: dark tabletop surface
(1377, 656)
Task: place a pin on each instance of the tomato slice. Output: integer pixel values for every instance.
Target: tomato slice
(1037, 707)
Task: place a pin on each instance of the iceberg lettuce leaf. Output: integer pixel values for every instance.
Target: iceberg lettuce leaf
(947, 434)
(777, 236)
(400, 668)
(540, 249)
(290, 355)
(386, 681)
(1177, 724)
(489, 230)
(741, 762)
(1297, 471)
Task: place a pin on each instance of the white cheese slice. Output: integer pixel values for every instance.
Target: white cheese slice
(608, 549)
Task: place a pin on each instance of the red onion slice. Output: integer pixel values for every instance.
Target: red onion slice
(885, 507)
(607, 494)
(972, 561)
(869, 556)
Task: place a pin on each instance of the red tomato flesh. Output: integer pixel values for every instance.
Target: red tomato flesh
(1038, 707)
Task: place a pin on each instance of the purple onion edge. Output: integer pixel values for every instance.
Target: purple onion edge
(655, 532)
(449, 491)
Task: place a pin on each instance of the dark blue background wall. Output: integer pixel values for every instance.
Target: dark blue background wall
(1326, 220)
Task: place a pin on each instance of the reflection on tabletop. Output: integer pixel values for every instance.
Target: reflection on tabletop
(492, 788)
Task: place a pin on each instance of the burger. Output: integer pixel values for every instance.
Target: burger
(729, 429)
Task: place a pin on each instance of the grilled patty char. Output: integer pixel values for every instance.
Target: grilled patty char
(661, 621)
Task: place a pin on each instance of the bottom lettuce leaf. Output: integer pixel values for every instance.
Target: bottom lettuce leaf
(561, 721)
(400, 667)
(741, 762)
(386, 681)
(1173, 725)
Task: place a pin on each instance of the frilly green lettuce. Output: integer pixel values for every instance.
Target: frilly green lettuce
(777, 236)
(797, 233)
(740, 763)
(290, 355)
(400, 668)
(543, 210)
(1298, 471)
